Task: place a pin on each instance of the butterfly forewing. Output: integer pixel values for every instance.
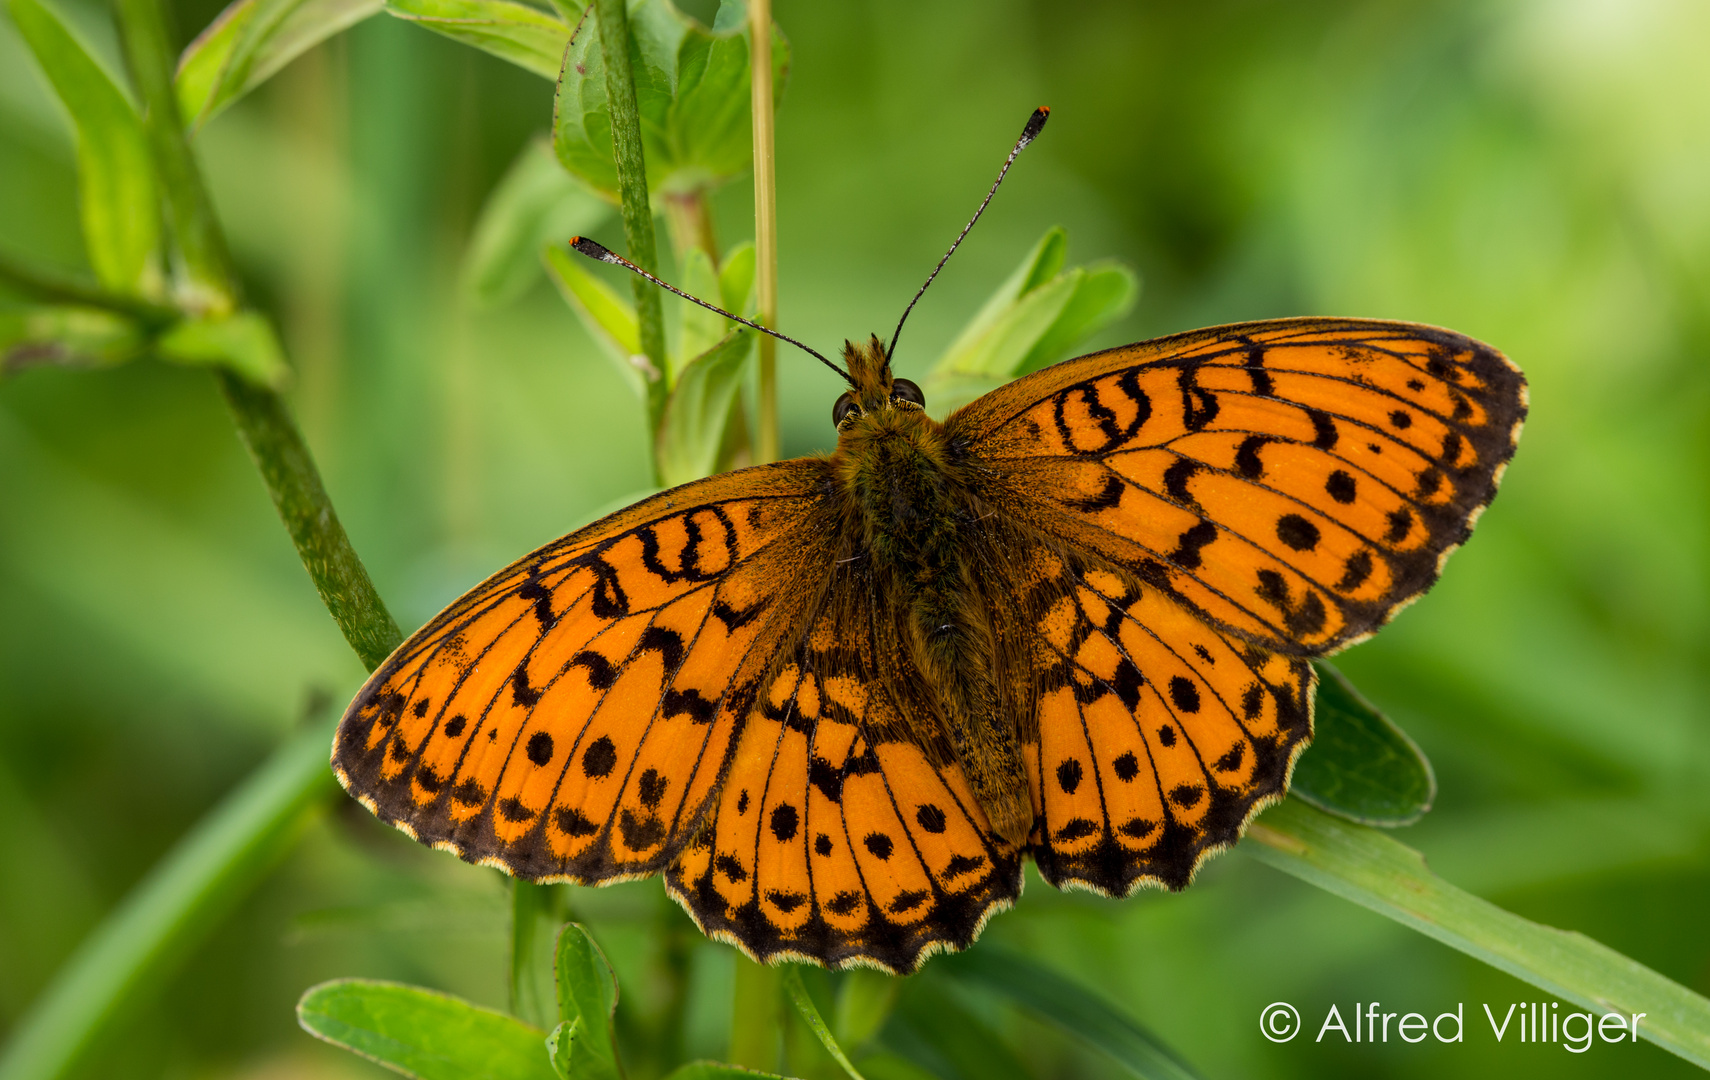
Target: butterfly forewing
(1294, 482)
(570, 717)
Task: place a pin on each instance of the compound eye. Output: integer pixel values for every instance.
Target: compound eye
(843, 408)
(904, 390)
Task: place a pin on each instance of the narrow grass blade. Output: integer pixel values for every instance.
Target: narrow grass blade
(1376, 871)
(810, 1013)
(1072, 1007)
(422, 1033)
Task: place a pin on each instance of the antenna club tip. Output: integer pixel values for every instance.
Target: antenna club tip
(591, 248)
(1035, 124)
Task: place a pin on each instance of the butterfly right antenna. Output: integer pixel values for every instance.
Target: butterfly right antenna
(1035, 124)
(595, 250)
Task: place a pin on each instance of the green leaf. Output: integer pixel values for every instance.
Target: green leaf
(526, 36)
(249, 42)
(422, 1033)
(1104, 292)
(810, 1013)
(736, 278)
(608, 317)
(692, 91)
(1072, 1007)
(1360, 765)
(1034, 318)
(1378, 872)
(243, 343)
(698, 410)
(115, 173)
(718, 1070)
(66, 336)
(583, 1045)
(536, 205)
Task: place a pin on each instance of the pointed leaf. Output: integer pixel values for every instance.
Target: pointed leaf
(423, 1034)
(526, 36)
(1360, 765)
(240, 49)
(537, 204)
(66, 336)
(587, 999)
(1040, 265)
(691, 87)
(1072, 1007)
(242, 342)
(115, 173)
(698, 411)
(1105, 292)
(608, 317)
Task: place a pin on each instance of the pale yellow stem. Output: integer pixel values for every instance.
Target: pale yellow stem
(765, 222)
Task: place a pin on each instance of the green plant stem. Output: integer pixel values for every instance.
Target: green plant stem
(537, 911)
(756, 1026)
(181, 900)
(278, 450)
(53, 289)
(196, 231)
(1376, 871)
(632, 185)
(765, 224)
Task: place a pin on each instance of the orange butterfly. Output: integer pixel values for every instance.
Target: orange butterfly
(837, 699)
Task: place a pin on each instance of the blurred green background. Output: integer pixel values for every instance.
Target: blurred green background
(1535, 174)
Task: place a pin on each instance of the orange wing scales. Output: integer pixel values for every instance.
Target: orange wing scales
(584, 737)
(1294, 483)
(830, 846)
(1158, 736)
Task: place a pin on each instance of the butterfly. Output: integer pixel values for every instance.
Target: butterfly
(837, 700)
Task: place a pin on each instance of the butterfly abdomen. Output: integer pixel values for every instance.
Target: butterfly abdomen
(909, 499)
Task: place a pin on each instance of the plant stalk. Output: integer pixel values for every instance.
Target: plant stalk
(765, 224)
(211, 288)
(613, 18)
(278, 450)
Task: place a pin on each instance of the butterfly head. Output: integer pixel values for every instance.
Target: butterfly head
(872, 387)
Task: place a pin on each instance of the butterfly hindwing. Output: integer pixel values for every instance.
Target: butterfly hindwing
(1156, 736)
(1294, 482)
(569, 718)
(836, 838)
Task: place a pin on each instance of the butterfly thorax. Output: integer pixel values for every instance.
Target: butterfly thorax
(909, 507)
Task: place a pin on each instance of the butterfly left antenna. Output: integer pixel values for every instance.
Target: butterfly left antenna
(595, 250)
(1035, 124)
